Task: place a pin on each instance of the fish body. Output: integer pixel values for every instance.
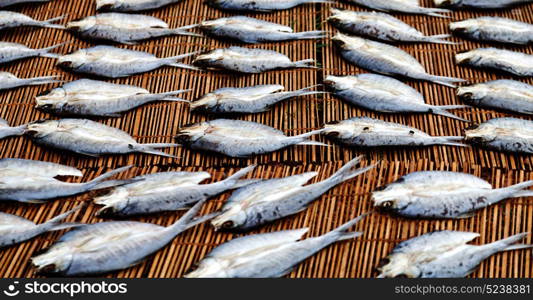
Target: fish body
(480, 4)
(124, 28)
(109, 246)
(368, 132)
(6, 3)
(503, 134)
(494, 29)
(265, 255)
(237, 138)
(7, 131)
(131, 5)
(385, 59)
(165, 191)
(251, 30)
(384, 94)
(87, 97)
(254, 99)
(443, 254)
(443, 194)
(269, 200)
(34, 181)
(402, 6)
(9, 19)
(247, 60)
(380, 26)
(517, 63)
(12, 51)
(10, 81)
(112, 62)
(508, 95)
(88, 137)
(260, 5)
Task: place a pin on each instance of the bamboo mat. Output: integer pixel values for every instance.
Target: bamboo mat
(158, 122)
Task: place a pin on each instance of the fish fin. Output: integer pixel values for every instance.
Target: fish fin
(442, 110)
(97, 183)
(150, 148)
(305, 63)
(342, 233)
(48, 23)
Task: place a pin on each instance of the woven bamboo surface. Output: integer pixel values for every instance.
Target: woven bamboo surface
(158, 122)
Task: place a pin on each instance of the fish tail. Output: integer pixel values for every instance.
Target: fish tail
(45, 52)
(43, 80)
(439, 39)
(169, 96)
(341, 233)
(347, 172)
(449, 141)
(309, 35)
(48, 23)
(305, 63)
(442, 110)
(242, 172)
(435, 12)
(302, 138)
(55, 223)
(99, 183)
(520, 189)
(173, 61)
(307, 91)
(188, 220)
(442, 80)
(150, 149)
(183, 30)
(509, 243)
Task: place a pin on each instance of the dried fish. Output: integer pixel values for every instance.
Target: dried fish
(132, 5)
(381, 26)
(237, 138)
(247, 60)
(9, 19)
(13, 51)
(480, 4)
(90, 138)
(260, 5)
(494, 29)
(6, 3)
(403, 6)
(442, 194)
(385, 59)
(503, 134)
(516, 63)
(272, 254)
(7, 131)
(112, 62)
(384, 94)
(273, 199)
(10, 81)
(34, 181)
(443, 254)
(98, 98)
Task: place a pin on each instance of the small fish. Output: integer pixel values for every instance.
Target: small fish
(269, 200)
(480, 4)
(110, 246)
(34, 181)
(368, 132)
(443, 254)
(264, 255)
(254, 99)
(237, 138)
(89, 138)
(503, 134)
(443, 194)
(112, 62)
(6, 3)
(402, 6)
(10, 81)
(7, 131)
(13, 51)
(124, 28)
(508, 95)
(15, 229)
(384, 94)
(131, 5)
(251, 30)
(260, 5)
(9, 19)
(247, 60)
(494, 29)
(386, 59)
(165, 191)
(87, 97)
(516, 63)
(381, 26)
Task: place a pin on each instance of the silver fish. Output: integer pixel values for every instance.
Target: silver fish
(384, 94)
(385, 59)
(132, 5)
(124, 28)
(237, 138)
(403, 6)
(247, 60)
(6, 3)
(165, 191)
(251, 30)
(15, 229)
(494, 29)
(112, 62)
(90, 138)
(508, 95)
(516, 63)
(443, 254)
(9, 19)
(13, 51)
(381, 26)
(34, 181)
(109, 246)
(98, 98)
(260, 5)
(480, 4)
(10, 81)
(503, 134)
(252, 99)
(443, 194)
(269, 200)
(7, 131)
(264, 255)
(368, 132)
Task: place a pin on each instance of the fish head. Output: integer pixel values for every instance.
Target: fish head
(82, 24)
(345, 130)
(392, 197)
(398, 265)
(52, 100)
(209, 267)
(466, 26)
(204, 103)
(466, 57)
(479, 134)
(209, 58)
(345, 41)
(470, 94)
(73, 60)
(212, 24)
(107, 5)
(191, 133)
(230, 218)
(114, 202)
(42, 128)
(56, 261)
(340, 83)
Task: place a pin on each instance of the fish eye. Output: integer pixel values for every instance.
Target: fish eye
(383, 262)
(472, 127)
(228, 224)
(401, 276)
(387, 204)
(46, 92)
